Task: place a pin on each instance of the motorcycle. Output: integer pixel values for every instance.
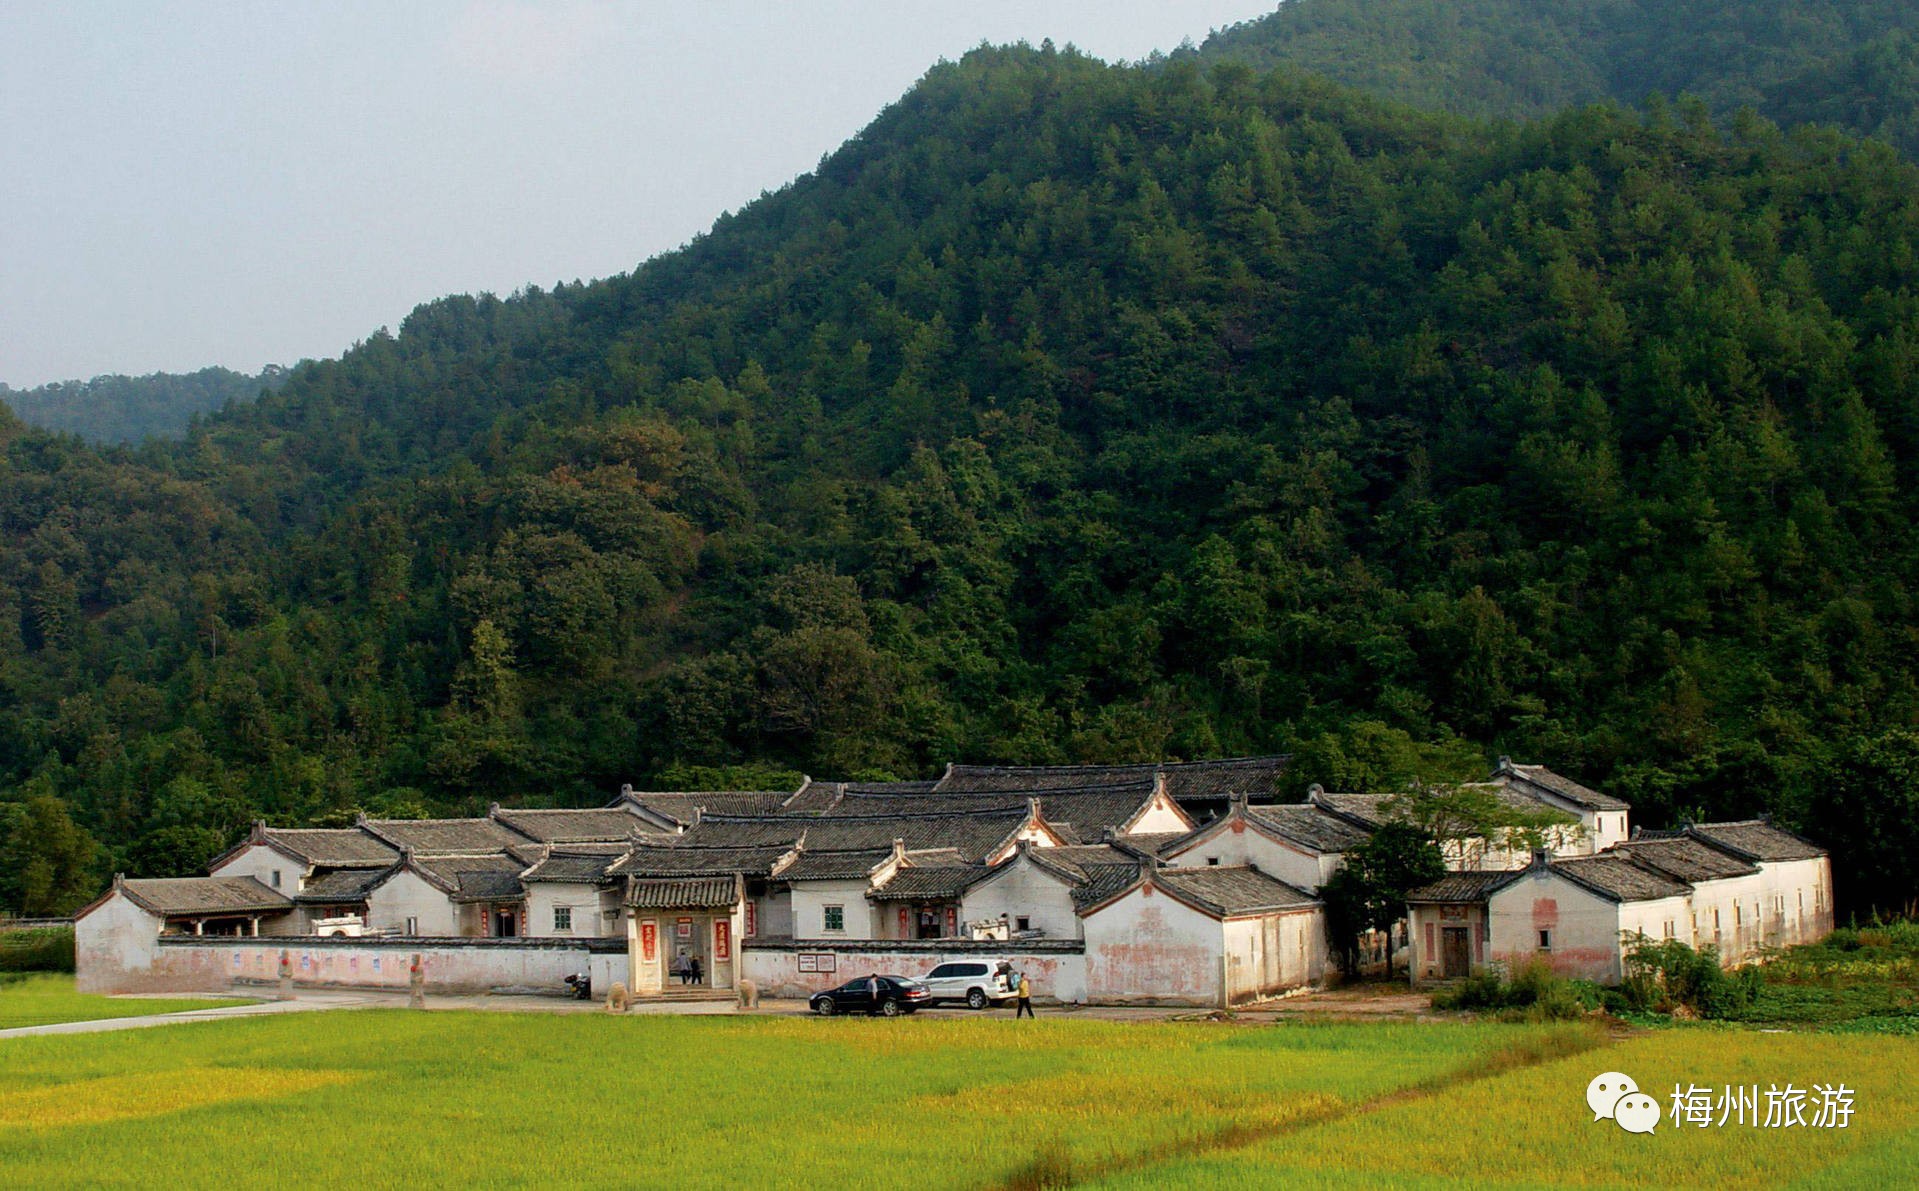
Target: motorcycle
(581, 985)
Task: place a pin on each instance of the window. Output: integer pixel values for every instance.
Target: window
(833, 918)
(1545, 940)
(413, 926)
(1738, 913)
(1212, 862)
(1669, 928)
(1022, 924)
(276, 878)
(562, 917)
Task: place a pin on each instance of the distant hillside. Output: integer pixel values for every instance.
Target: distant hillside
(123, 409)
(1853, 63)
(1068, 412)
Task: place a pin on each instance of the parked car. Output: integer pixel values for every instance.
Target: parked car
(890, 995)
(978, 982)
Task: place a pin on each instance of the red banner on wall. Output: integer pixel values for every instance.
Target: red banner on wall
(722, 938)
(906, 923)
(649, 940)
(952, 922)
(752, 919)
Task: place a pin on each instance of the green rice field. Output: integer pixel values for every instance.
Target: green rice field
(391, 1098)
(44, 999)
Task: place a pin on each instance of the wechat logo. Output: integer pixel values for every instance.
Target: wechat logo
(1613, 1094)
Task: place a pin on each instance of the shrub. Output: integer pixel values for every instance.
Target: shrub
(39, 949)
(1533, 993)
(1666, 976)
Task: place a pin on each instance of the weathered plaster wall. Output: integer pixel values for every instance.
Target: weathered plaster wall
(1239, 843)
(586, 903)
(275, 870)
(1271, 953)
(810, 899)
(1019, 889)
(1148, 948)
(1585, 927)
(406, 895)
(184, 964)
(114, 946)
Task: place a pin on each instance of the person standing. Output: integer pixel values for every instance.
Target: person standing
(693, 970)
(1025, 999)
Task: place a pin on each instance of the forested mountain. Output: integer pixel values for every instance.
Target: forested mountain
(1851, 63)
(126, 409)
(1068, 412)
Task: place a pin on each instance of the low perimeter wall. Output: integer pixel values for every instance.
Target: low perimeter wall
(801, 967)
(185, 963)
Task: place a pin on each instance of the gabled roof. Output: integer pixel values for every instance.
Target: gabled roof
(332, 847)
(1469, 886)
(1684, 859)
(1196, 780)
(575, 864)
(340, 885)
(1756, 839)
(1362, 810)
(684, 806)
(648, 860)
(683, 893)
(1090, 810)
(1542, 778)
(812, 797)
(1312, 827)
(446, 837)
(834, 866)
(494, 876)
(975, 836)
(1219, 891)
(194, 897)
(937, 882)
(591, 825)
(1615, 877)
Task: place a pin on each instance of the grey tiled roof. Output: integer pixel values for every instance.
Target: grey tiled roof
(1199, 780)
(1756, 839)
(1683, 859)
(1471, 886)
(812, 797)
(974, 835)
(833, 866)
(688, 893)
(1368, 810)
(1564, 787)
(333, 847)
(205, 895)
(1230, 889)
(1091, 810)
(573, 866)
(650, 861)
(489, 887)
(463, 837)
(1618, 878)
(1102, 881)
(1310, 825)
(1152, 841)
(461, 876)
(681, 805)
(594, 825)
(340, 885)
(940, 882)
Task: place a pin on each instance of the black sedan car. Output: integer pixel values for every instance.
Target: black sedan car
(890, 995)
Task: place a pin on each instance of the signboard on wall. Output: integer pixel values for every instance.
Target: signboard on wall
(752, 920)
(817, 961)
(722, 938)
(682, 928)
(809, 963)
(649, 940)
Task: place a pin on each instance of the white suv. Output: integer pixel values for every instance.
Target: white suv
(978, 982)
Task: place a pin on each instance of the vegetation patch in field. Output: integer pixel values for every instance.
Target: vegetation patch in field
(152, 1094)
(50, 999)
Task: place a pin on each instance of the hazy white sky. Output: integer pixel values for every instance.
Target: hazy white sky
(250, 183)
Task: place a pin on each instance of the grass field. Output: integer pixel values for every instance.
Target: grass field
(385, 1098)
(43, 999)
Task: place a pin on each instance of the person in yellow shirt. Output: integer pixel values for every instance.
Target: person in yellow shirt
(1025, 999)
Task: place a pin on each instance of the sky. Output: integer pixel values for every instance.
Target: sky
(185, 184)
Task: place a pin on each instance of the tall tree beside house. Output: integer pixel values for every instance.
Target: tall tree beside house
(1368, 893)
(1474, 814)
(47, 861)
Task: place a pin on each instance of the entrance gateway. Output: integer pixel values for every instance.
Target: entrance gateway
(671, 920)
(1455, 952)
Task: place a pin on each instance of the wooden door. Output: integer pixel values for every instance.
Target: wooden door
(1455, 952)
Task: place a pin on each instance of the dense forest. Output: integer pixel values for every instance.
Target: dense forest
(1849, 63)
(1068, 412)
(126, 409)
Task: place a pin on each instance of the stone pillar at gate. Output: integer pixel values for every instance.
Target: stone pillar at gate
(645, 949)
